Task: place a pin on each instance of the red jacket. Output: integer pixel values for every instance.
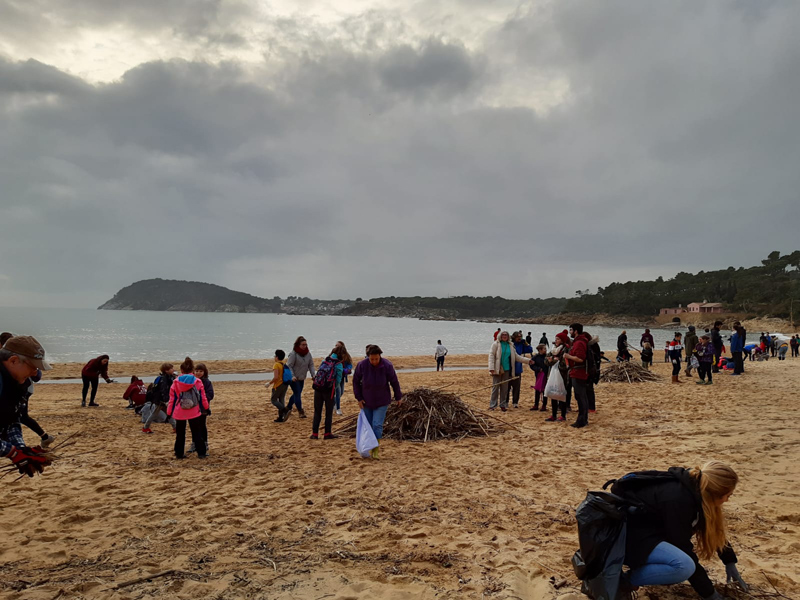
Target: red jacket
(580, 349)
(136, 392)
(95, 368)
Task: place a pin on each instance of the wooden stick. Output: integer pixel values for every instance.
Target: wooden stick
(142, 579)
(491, 386)
(444, 386)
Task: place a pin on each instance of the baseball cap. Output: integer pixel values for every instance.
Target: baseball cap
(27, 346)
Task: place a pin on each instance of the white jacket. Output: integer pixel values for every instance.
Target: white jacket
(496, 357)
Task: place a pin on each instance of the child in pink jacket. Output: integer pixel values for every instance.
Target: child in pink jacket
(188, 402)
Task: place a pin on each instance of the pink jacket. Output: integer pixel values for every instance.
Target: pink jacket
(181, 384)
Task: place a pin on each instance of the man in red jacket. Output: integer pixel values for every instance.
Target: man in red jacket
(579, 372)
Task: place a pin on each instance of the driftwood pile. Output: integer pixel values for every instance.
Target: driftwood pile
(428, 415)
(53, 454)
(629, 372)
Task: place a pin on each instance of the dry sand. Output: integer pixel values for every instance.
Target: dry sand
(273, 515)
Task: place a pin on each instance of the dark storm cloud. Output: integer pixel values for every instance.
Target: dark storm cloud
(340, 170)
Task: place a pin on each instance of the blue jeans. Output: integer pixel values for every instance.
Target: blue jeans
(297, 391)
(337, 395)
(665, 565)
(376, 417)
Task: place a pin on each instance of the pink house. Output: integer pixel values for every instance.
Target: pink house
(694, 307)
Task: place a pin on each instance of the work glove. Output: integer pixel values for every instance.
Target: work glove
(208, 412)
(29, 461)
(674, 361)
(733, 576)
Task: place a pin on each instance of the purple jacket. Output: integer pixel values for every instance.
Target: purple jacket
(705, 355)
(371, 384)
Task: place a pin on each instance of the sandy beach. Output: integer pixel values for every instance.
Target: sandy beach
(274, 515)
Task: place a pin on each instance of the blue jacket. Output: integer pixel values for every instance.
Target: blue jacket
(522, 348)
(737, 344)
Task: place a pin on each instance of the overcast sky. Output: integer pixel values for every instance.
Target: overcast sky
(369, 148)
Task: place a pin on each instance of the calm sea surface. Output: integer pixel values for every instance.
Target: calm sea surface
(76, 335)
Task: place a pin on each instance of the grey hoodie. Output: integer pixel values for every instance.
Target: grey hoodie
(300, 365)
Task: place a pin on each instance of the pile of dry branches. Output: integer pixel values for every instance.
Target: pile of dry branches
(428, 415)
(626, 371)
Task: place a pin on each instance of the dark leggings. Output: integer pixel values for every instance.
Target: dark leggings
(323, 396)
(203, 431)
(196, 426)
(559, 405)
(676, 367)
(543, 397)
(703, 370)
(93, 381)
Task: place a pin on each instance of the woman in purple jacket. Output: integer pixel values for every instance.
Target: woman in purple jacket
(373, 383)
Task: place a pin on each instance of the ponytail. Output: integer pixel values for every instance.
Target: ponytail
(715, 481)
(187, 366)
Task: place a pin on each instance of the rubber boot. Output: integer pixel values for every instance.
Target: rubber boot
(675, 379)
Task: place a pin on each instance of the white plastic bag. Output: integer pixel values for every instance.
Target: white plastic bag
(555, 388)
(365, 437)
(694, 363)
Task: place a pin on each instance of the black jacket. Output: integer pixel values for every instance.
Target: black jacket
(674, 512)
(163, 385)
(538, 364)
(716, 339)
(13, 399)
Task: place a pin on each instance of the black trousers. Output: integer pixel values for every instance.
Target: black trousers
(559, 405)
(738, 363)
(203, 431)
(676, 367)
(196, 426)
(323, 396)
(581, 389)
(440, 362)
(93, 381)
(544, 400)
(704, 370)
(794, 351)
(590, 395)
(717, 356)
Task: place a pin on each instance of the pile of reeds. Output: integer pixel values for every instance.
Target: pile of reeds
(428, 415)
(629, 372)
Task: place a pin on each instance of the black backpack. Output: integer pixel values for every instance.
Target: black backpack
(635, 481)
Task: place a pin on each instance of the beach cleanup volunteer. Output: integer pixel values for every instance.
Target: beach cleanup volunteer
(20, 359)
(90, 375)
(374, 381)
(576, 358)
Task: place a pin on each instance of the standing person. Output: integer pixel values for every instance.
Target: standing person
(539, 366)
(279, 387)
(501, 358)
(136, 394)
(578, 360)
(327, 380)
(188, 402)
(737, 346)
(347, 367)
(775, 344)
(666, 352)
(647, 338)
(543, 340)
(555, 359)
(158, 398)
(681, 504)
(705, 356)
(528, 339)
(515, 385)
(496, 333)
(201, 372)
(300, 362)
(374, 381)
(689, 342)
(594, 359)
(794, 343)
(647, 355)
(768, 339)
(21, 358)
(716, 342)
(90, 374)
(622, 347)
(675, 348)
(439, 355)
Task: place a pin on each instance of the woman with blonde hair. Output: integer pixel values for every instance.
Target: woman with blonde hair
(677, 505)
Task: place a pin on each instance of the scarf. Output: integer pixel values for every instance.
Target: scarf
(301, 352)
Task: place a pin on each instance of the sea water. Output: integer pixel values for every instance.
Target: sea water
(76, 335)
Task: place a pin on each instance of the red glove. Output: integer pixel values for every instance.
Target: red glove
(28, 461)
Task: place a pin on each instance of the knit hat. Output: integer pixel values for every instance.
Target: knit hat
(563, 336)
(691, 327)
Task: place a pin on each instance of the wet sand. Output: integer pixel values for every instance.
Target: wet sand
(273, 515)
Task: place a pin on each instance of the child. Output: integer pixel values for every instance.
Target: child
(325, 393)
(705, 359)
(666, 352)
(647, 355)
(675, 355)
(188, 402)
(136, 393)
(201, 372)
(279, 387)
(539, 365)
(555, 358)
(347, 368)
(159, 397)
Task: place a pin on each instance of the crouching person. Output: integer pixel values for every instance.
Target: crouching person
(188, 402)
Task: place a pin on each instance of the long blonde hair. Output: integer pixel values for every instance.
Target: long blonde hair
(716, 480)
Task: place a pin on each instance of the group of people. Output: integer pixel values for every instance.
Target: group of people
(374, 385)
(575, 354)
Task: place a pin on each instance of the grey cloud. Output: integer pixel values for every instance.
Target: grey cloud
(341, 171)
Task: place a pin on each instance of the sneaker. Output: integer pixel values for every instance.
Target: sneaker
(202, 456)
(709, 383)
(503, 408)
(543, 409)
(339, 411)
(286, 416)
(146, 430)
(301, 413)
(561, 419)
(47, 440)
(83, 404)
(375, 453)
(174, 431)
(130, 407)
(93, 404)
(314, 436)
(550, 419)
(191, 448)
(330, 436)
(516, 406)
(701, 382)
(593, 411)
(534, 408)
